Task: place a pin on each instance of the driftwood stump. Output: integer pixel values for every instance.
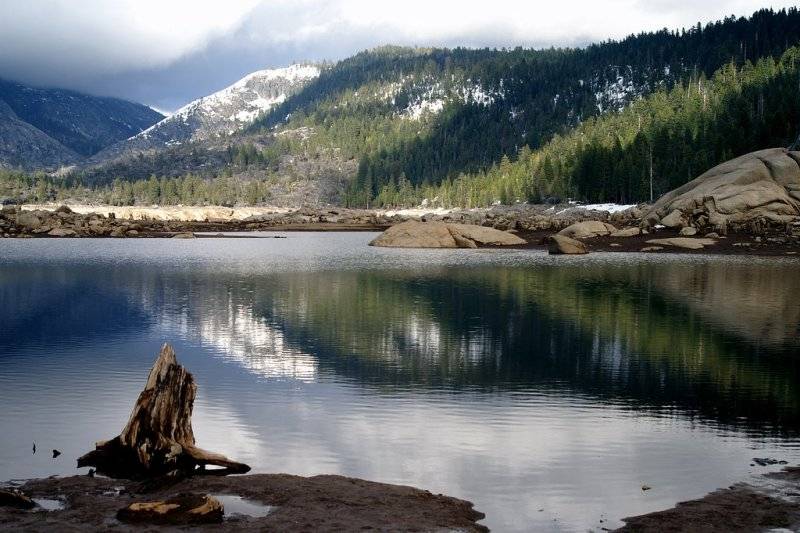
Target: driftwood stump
(158, 438)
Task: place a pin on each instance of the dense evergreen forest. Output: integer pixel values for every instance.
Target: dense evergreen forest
(535, 94)
(616, 121)
(654, 145)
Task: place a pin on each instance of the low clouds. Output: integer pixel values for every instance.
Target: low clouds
(166, 52)
(60, 42)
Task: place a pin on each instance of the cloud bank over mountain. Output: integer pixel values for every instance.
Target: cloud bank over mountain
(165, 53)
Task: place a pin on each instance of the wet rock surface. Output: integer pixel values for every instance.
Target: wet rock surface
(183, 509)
(319, 503)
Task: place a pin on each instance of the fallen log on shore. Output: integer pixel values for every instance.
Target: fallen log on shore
(158, 439)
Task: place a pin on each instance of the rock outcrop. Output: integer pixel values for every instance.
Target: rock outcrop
(414, 234)
(562, 245)
(759, 187)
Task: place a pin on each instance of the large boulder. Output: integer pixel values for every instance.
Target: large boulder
(587, 229)
(758, 185)
(562, 245)
(414, 234)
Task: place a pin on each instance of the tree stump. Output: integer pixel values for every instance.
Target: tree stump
(158, 438)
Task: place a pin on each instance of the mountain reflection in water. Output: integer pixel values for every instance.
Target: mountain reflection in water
(671, 357)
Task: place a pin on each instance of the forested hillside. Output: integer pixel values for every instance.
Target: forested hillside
(654, 145)
(615, 121)
(430, 115)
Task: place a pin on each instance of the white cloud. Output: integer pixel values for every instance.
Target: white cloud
(167, 52)
(478, 23)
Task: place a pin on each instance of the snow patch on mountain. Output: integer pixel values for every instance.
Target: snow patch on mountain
(225, 111)
(431, 99)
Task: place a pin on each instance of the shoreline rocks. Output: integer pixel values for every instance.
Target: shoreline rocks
(562, 245)
(414, 234)
(683, 242)
(588, 229)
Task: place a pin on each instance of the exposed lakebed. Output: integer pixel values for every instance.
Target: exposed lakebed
(545, 390)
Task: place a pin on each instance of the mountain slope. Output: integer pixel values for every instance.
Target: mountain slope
(23, 146)
(406, 118)
(362, 105)
(83, 123)
(219, 114)
(656, 144)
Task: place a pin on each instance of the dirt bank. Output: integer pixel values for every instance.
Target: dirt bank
(773, 505)
(319, 503)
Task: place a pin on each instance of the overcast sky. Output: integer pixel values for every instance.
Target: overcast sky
(167, 52)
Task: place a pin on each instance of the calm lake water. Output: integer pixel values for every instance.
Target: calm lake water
(546, 390)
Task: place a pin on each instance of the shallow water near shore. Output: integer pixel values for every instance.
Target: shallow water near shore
(546, 390)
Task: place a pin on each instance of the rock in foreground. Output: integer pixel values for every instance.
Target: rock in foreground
(319, 503)
(413, 234)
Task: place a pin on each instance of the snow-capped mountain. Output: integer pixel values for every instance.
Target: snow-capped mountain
(221, 113)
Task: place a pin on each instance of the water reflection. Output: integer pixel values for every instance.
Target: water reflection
(509, 379)
(643, 337)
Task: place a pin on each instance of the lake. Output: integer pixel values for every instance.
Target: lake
(547, 390)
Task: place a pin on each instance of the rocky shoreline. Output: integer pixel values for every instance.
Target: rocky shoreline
(289, 503)
(106, 221)
(282, 502)
(628, 230)
(748, 205)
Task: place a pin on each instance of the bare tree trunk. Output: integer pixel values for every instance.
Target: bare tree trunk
(158, 438)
